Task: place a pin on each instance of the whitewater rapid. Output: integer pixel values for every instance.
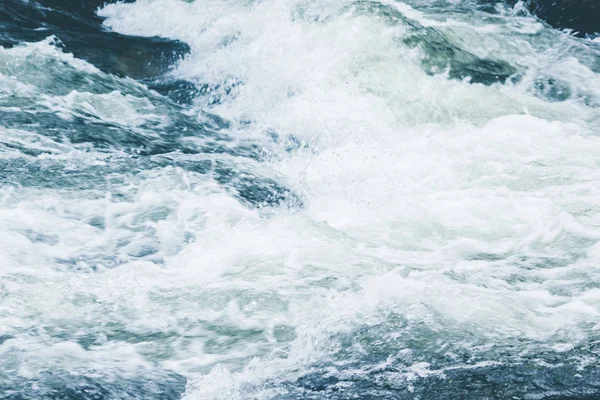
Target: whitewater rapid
(340, 212)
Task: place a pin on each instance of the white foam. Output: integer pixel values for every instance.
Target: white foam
(42, 51)
(125, 110)
(433, 199)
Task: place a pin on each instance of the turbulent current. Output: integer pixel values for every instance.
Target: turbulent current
(297, 199)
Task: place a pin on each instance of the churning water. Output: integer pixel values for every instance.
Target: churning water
(311, 199)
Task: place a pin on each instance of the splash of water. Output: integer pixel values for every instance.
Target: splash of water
(364, 199)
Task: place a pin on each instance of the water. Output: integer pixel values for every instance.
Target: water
(297, 199)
